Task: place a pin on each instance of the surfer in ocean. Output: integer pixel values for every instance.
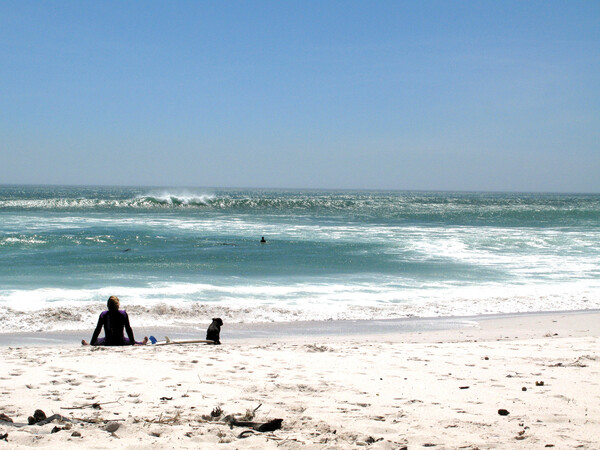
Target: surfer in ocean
(114, 322)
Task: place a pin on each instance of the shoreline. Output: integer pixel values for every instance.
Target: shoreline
(415, 329)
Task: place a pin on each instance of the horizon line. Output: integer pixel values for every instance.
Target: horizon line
(474, 191)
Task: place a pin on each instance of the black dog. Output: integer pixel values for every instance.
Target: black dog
(214, 331)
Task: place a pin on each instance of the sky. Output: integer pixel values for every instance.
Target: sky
(408, 95)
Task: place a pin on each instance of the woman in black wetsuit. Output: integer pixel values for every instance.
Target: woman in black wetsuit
(114, 321)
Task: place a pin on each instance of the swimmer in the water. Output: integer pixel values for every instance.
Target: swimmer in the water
(262, 240)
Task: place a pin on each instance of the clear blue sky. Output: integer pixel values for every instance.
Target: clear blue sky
(441, 95)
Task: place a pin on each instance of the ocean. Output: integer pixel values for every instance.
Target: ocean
(177, 257)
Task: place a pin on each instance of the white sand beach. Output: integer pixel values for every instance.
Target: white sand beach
(440, 389)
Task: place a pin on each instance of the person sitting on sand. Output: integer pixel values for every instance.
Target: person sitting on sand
(113, 321)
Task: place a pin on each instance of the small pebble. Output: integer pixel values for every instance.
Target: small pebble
(111, 427)
(76, 434)
(503, 412)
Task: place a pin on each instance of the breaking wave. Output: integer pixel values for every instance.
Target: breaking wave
(448, 208)
(64, 310)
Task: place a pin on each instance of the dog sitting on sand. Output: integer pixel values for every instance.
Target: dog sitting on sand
(214, 331)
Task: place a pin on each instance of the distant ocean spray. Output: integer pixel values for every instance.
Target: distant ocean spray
(177, 257)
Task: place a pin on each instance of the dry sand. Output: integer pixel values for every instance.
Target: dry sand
(439, 389)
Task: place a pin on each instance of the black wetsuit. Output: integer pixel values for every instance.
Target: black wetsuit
(113, 322)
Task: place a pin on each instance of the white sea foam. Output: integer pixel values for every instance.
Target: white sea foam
(21, 240)
(189, 304)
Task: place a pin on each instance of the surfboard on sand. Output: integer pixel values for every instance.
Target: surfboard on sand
(168, 341)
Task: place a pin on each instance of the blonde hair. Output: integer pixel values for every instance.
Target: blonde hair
(113, 303)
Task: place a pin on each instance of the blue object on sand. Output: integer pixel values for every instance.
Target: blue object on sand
(153, 339)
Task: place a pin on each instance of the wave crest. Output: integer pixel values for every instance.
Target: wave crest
(169, 199)
(432, 208)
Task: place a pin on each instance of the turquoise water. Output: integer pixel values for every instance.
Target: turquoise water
(178, 255)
